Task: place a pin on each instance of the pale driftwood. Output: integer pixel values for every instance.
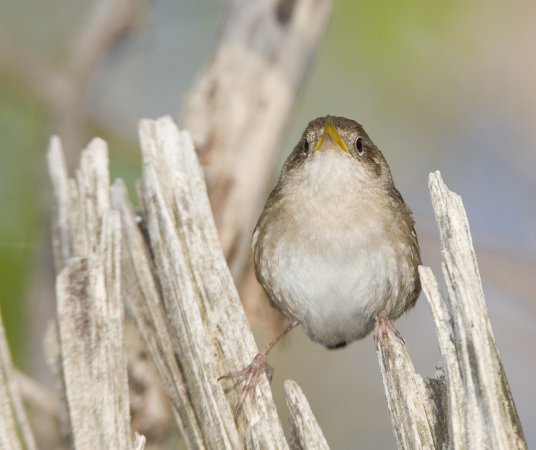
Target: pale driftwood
(177, 285)
(414, 407)
(15, 432)
(206, 321)
(472, 407)
(242, 102)
(305, 433)
(143, 296)
(185, 303)
(481, 409)
(90, 311)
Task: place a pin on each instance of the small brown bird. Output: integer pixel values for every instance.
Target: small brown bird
(335, 246)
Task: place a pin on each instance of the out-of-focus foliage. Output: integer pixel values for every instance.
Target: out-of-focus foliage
(22, 134)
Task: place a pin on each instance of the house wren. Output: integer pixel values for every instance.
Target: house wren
(335, 246)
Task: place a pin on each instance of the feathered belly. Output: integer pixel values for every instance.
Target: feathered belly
(331, 254)
(333, 283)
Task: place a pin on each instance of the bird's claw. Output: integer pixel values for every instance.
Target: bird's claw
(252, 373)
(383, 324)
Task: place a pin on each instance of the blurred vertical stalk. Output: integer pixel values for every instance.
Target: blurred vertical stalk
(239, 108)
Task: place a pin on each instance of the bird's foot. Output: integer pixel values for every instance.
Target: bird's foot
(258, 366)
(252, 374)
(383, 325)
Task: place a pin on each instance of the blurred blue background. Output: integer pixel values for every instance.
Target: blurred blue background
(437, 85)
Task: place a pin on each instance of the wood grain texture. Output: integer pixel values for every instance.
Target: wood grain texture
(481, 409)
(144, 299)
(305, 433)
(171, 271)
(470, 404)
(206, 321)
(414, 407)
(87, 242)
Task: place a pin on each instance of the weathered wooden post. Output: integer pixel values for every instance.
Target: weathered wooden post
(469, 404)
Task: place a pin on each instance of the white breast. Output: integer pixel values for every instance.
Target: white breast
(332, 267)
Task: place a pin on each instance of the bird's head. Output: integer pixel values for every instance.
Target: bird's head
(338, 147)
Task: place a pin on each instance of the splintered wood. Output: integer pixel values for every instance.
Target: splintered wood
(168, 267)
(171, 272)
(87, 245)
(470, 405)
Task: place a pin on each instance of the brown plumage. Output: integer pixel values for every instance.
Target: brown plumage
(335, 245)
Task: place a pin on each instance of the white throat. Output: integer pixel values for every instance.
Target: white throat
(330, 173)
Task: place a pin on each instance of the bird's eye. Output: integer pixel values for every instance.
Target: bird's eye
(359, 145)
(305, 145)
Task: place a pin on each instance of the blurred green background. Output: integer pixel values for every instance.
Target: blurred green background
(437, 85)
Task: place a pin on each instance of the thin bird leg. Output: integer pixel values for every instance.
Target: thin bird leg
(383, 323)
(257, 367)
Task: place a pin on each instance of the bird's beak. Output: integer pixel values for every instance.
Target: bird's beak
(330, 134)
